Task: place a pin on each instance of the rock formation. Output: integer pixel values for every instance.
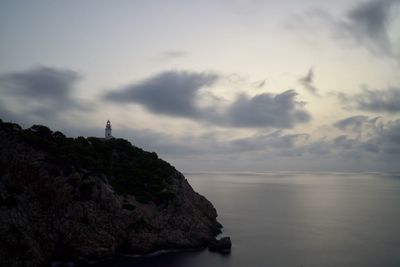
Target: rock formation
(222, 245)
(75, 199)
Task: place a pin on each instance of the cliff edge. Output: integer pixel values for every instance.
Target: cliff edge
(76, 199)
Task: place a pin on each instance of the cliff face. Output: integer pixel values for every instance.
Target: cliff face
(76, 199)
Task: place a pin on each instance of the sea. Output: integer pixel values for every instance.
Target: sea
(295, 219)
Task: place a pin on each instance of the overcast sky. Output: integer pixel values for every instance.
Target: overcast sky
(212, 85)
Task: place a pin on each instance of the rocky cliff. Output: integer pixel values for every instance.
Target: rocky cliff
(74, 199)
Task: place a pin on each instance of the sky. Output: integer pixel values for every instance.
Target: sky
(212, 85)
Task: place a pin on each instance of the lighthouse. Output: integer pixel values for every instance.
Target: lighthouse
(108, 130)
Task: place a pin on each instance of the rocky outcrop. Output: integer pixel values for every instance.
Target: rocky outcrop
(53, 209)
(222, 245)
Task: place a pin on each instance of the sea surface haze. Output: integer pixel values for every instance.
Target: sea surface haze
(296, 219)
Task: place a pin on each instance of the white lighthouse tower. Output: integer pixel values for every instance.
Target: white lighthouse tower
(108, 130)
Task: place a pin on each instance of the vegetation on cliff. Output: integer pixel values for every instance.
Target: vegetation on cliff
(130, 169)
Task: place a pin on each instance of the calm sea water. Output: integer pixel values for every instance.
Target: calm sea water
(296, 219)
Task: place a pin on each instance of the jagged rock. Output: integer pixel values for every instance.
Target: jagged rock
(54, 208)
(222, 245)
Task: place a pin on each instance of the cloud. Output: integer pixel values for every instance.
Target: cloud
(373, 100)
(173, 54)
(379, 136)
(169, 93)
(361, 127)
(276, 141)
(379, 100)
(308, 82)
(351, 123)
(260, 84)
(372, 24)
(381, 144)
(368, 24)
(41, 92)
(175, 93)
(389, 138)
(39, 83)
(383, 141)
(267, 110)
(345, 142)
(370, 147)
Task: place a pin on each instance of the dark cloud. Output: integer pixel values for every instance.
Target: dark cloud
(379, 100)
(361, 127)
(345, 142)
(176, 94)
(380, 136)
(267, 110)
(40, 92)
(169, 93)
(373, 100)
(368, 23)
(391, 133)
(386, 140)
(40, 83)
(352, 123)
(308, 82)
(380, 142)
